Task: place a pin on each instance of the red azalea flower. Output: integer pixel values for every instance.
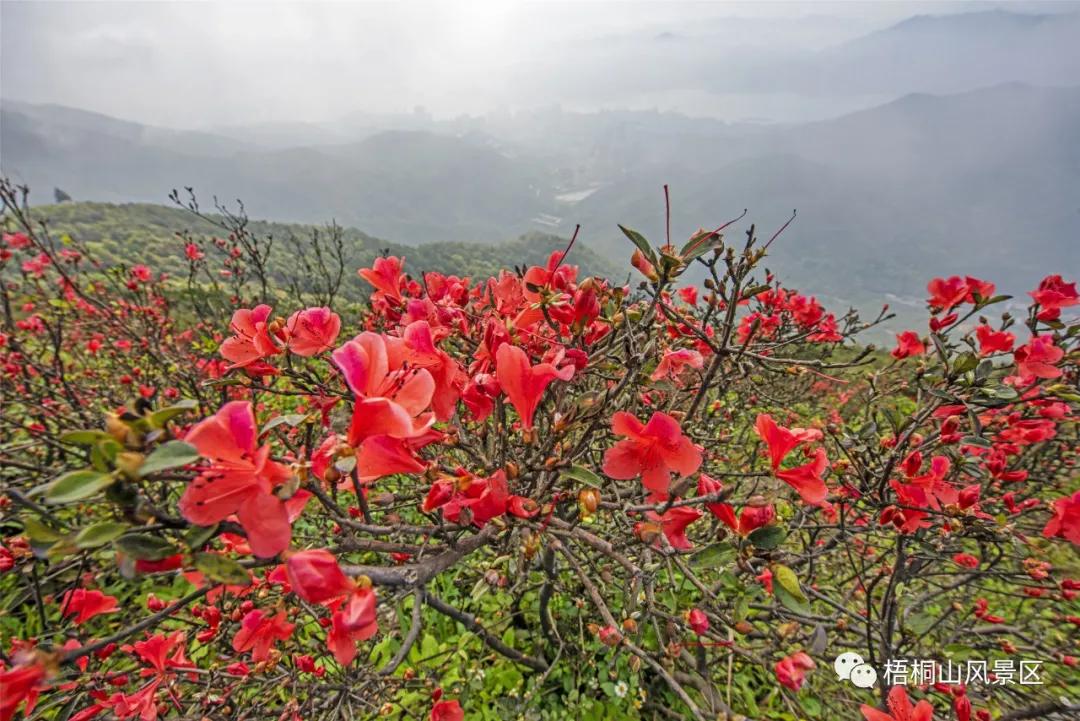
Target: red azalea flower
(947, 292)
(420, 351)
(18, 685)
(1052, 295)
(994, 341)
(241, 480)
(652, 451)
(698, 621)
(523, 382)
(355, 621)
(753, 517)
(674, 361)
(791, 670)
(312, 331)
(900, 708)
(386, 275)
(984, 289)
(251, 340)
(966, 560)
(480, 498)
(1066, 520)
(1038, 357)
(674, 523)
(259, 632)
(316, 576)
(87, 604)
(447, 711)
(724, 511)
(806, 479)
(908, 344)
(163, 653)
(780, 440)
(391, 398)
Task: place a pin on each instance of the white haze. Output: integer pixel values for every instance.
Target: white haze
(203, 65)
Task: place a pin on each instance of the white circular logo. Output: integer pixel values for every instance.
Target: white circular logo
(864, 676)
(845, 662)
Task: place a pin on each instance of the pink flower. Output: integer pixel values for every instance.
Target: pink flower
(1066, 520)
(312, 331)
(994, 341)
(900, 708)
(673, 363)
(908, 344)
(791, 670)
(674, 523)
(698, 621)
(947, 292)
(385, 274)
(1052, 295)
(447, 711)
(142, 274)
(524, 383)
(251, 341)
(316, 576)
(1038, 357)
(653, 451)
(390, 417)
(259, 632)
(87, 604)
(241, 479)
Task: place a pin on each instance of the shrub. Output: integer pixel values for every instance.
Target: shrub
(534, 494)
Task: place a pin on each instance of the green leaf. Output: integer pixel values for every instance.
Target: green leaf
(160, 417)
(99, 534)
(83, 438)
(711, 557)
(38, 532)
(78, 485)
(169, 455)
(767, 538)
(965, 362)
(221, 569)
(641, 242)
(197, 536)
(345, 465)
(799, 606)
(920, 623)
(978, 441)
(580, 473)
(699, 244)
(293, 419)
(790, 582)
(104, 452)
(144, 547)
(753, 291)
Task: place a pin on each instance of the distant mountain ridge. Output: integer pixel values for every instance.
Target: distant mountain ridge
(981, 181)
(126, 233)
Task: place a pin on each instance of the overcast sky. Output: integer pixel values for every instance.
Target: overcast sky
(206, 64)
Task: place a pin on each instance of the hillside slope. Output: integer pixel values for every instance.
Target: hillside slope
(136, 232)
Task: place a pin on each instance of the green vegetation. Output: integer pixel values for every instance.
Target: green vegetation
(152, 234)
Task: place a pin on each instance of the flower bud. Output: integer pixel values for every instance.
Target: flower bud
(588, 501)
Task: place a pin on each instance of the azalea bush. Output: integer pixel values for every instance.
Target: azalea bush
(536, 495)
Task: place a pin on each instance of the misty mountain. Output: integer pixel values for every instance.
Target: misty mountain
(933, 54)
(982, 182)
(410, 186)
